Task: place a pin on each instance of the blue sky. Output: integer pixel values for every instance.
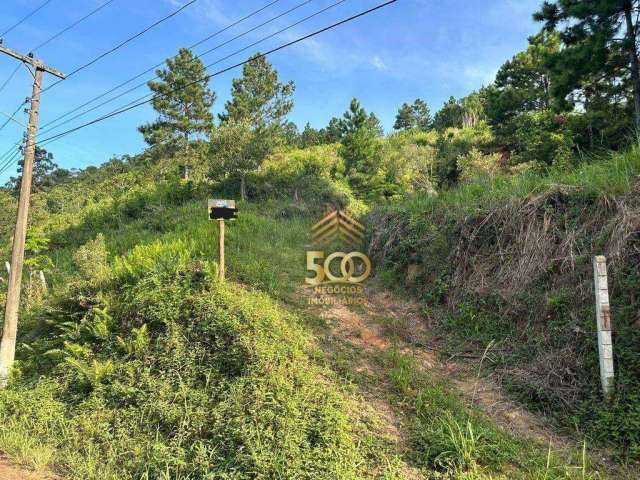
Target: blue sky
(413, 48)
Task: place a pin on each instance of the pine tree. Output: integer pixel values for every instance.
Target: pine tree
(417, 115)
(333, 132)
(255, 117)
(405, 118)
(421, 115)
(600, 41)
(310, 137)
(183, 101)
(449, 116)
(237, 149)
(258, 97)
(360, 150)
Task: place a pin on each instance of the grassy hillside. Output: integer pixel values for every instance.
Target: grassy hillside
(506, 263)
(138, 364)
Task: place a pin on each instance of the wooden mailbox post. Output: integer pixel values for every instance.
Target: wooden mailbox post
(222, 210)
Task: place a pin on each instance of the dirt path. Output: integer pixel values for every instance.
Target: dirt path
(9, 471)
(391, 324)
(387, 323)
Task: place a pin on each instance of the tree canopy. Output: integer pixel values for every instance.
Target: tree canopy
(259, 97)
(182, 99)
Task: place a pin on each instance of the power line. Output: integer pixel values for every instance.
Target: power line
(219, 72)
(11, 75)
(12, 116)
(51, 39)
(10, 160)
(6, 159)
(6, 154)
(74, 24)
(150, 69)
(114, 113)
(24, 19)
(104, 54)
(120, 95)
(12, 119)
(123, 43)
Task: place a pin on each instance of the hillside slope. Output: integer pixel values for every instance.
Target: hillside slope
(138, 364)
(507, 265)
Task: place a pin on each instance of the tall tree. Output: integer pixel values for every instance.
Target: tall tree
(600, 39)
(255, 117)
(258, 97)
(333, 132)
(405, 118)
(182, 99)
(310, 136)
(450, 115)
(422, 114)
(375, 125)
(523, 84)
(237, 149)
(360, 150)
(290, 134)
(474, 108)
(417, 115)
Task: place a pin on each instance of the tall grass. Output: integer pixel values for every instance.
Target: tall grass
(612, 174)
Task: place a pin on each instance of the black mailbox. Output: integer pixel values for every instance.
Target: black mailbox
(222, 210)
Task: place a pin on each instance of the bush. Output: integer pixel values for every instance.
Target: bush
(454, 143)
(542, 138)
(91, 261)
(477, 166)
(176, 375)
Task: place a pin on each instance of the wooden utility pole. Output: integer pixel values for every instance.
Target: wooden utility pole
(12, 306)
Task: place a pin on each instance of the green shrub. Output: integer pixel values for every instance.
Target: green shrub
(184, 378)
(468, 242)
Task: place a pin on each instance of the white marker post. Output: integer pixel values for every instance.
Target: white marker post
(603, 316)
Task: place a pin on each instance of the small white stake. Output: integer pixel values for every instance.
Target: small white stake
(603, 317)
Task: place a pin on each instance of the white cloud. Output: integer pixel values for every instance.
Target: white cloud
(377, 62)
(213, 12)
(210, 11)
(480, 73)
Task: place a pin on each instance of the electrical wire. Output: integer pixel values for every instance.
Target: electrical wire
(24, 19)
(219, 72)
(12, 116)
(11, 75)
(11, 159)
(150, 69)
(121, 44)
(12, 119)
(74, 24)
(51, 39)
(129, 107)
(139, 85)
(8, 152)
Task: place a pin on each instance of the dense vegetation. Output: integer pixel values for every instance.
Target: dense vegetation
(507, 263)
(134, 362)
(138, 364)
